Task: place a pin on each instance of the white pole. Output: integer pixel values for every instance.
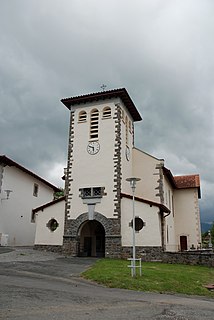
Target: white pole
(133, 227)
(133, 186)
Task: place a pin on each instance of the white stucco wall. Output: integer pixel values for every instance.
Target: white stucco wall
(187, 216)
(150, 235)
(126, 165)
(43, 235)
(144, 167)
(98, 170)
(93, 170)
(15, 213)
(170, 235)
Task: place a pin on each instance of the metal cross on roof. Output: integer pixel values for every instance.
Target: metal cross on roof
(103, 86)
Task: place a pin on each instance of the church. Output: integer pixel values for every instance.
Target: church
(95, 217)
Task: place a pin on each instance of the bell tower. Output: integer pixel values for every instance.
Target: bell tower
(100, 146)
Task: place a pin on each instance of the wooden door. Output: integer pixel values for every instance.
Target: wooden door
(87, 246)
(183, 243)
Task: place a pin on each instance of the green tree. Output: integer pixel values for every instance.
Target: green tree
(59, 194)
(206, 238)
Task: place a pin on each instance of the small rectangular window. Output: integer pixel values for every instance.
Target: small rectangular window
(123, 115)
(173, 211)
(95, 192)
(35, 190)
(130, 126)
(169, 200)
(167, 234)
(127, 131)
(87, 193)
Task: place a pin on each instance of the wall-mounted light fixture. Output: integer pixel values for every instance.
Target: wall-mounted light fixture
(7, 191)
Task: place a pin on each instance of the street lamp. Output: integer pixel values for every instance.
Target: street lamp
(133, 182)
(210, 240)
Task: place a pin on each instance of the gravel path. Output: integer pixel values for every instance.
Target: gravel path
(10, 254)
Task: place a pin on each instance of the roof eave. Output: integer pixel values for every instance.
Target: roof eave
(7, 161)
(170, 177)
(121, 93)
(48, 204)
(162, 207)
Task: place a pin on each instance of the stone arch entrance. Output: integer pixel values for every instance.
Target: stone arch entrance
(91, 239)
(111, 237)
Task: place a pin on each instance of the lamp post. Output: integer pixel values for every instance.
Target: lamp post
(133, 182)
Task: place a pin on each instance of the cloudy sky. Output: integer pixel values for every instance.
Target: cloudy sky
(161, 51)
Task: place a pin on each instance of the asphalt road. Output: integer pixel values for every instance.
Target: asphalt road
(44, 286)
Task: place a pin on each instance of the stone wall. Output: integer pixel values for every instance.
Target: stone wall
(145, 253)
(113, 246)
(156, 254)
(190, 257)
(153, 254)
(70, 245)
(50, 248)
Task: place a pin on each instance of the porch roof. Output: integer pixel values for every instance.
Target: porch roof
(162, 207)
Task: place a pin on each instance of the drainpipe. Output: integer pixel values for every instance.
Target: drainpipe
(163, 227)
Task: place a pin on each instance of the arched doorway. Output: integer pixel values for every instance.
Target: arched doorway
(92, 239)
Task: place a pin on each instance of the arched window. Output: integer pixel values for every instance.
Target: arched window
(106, 112)
(130, 126)
(127, 130)
(94, 124)
(123, 115)
(82, 116)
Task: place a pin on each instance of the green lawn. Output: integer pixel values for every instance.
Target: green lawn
(156, 277)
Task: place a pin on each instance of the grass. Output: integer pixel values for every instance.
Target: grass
(156, 277)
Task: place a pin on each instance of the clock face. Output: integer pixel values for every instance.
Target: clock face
(93, 147)
(127, 153)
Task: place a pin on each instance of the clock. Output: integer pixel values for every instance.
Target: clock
(93, 147)
(127, 153)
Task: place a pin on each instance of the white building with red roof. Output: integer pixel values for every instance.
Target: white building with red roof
(99, 202)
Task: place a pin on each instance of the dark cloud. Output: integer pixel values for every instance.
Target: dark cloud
(161, 50)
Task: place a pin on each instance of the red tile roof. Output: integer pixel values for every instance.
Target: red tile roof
(183, 182)
(190, 181)
(121, 93)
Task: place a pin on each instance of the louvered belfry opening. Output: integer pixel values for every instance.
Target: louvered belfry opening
(94, 124)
